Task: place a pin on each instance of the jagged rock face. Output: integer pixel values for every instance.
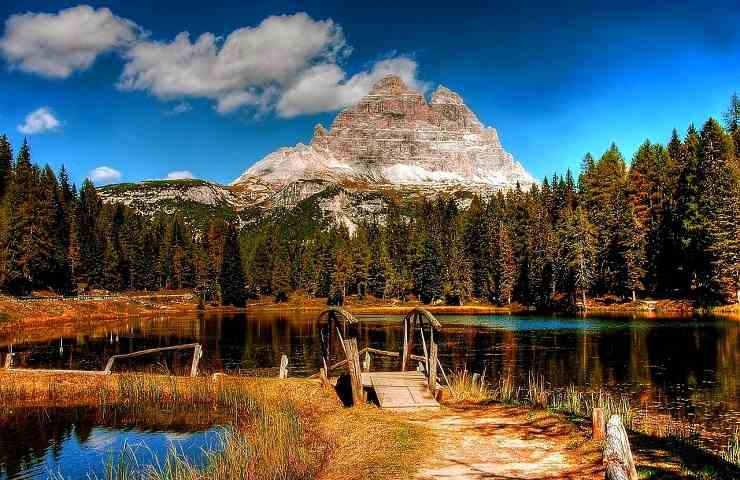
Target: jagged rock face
(394, 136)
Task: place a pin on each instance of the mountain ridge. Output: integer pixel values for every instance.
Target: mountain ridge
(393, 142)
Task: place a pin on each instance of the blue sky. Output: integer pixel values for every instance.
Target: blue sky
(132, 93)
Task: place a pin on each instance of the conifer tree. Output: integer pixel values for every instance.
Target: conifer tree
(717, 206)
(577, 252)
(231, 278)
(91, 250)
(376, 269)
(17, 230)
(6, 164)
(503, 268)
(281, 274)
(427, 268)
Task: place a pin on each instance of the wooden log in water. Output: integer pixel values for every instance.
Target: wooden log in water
(597, 421)
(617, 453)
(283, 367)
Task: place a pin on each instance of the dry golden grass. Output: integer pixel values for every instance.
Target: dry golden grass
(281, 429)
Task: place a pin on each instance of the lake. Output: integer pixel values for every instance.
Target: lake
(689, 367)
(72, 443)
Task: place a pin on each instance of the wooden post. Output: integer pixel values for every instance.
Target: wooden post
(353, 366)
(405, 353)
(197, 354)
(433, 367)
(283, 367)
(9, 360)
(617, 453)
(366, 362)
(597, 421)
(324, 379)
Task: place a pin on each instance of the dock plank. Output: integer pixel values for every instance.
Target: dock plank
(400, 390)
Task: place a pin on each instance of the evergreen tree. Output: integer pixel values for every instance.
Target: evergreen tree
(91, 250)
(6, 165)
(18, 229)
(231, 278)
(281, 274)
(577, 252)
(376, 269)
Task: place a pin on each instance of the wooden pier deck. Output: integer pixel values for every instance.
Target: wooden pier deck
(400, 390)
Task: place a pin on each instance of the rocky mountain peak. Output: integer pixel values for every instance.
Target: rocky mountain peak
(390, 85)
(444, 96)
(393, 136)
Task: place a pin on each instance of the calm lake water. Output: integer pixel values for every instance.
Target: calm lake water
(72, 444)
(687, 367)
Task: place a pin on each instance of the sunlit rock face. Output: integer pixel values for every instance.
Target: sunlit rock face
(394, 144)
(393, 136)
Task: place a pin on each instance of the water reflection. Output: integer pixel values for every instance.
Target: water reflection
(75, 443)
(689, 367)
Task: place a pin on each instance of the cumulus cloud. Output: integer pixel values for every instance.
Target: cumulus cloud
(40, 121)
(326, 87)
(288, 63)
(57, 45)
(180, 175)
(104, 175)
(238, 71)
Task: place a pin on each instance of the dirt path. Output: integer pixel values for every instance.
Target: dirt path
(506, 443)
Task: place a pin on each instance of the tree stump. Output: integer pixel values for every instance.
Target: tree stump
(617, 453)
(597, 419)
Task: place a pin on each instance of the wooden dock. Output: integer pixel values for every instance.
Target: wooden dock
(400, 390)
(412, 386)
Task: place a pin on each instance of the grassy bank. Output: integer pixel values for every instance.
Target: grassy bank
(280, 429)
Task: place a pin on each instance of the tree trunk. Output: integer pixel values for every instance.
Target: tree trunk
(634, 295)
(583, 296)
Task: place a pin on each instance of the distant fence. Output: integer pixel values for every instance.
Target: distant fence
(101, 298)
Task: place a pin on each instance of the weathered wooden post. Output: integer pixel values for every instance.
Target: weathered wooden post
(433, 367)
(283, 367)
(617, 453)
(353, 366)
(597, 421)
(9, 360)
(366, 362)
(405, 353)
(197, 354)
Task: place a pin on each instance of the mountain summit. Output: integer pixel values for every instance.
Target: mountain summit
(392, 144)
(393, 136)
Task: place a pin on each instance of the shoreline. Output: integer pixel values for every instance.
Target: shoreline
(27, 316)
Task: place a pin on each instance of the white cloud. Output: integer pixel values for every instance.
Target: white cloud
(180, 175)
(40, 121)
(325, 87)
(104, 175)
(57, 45)
(288, 63)
(239, 70)
(179, 109)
